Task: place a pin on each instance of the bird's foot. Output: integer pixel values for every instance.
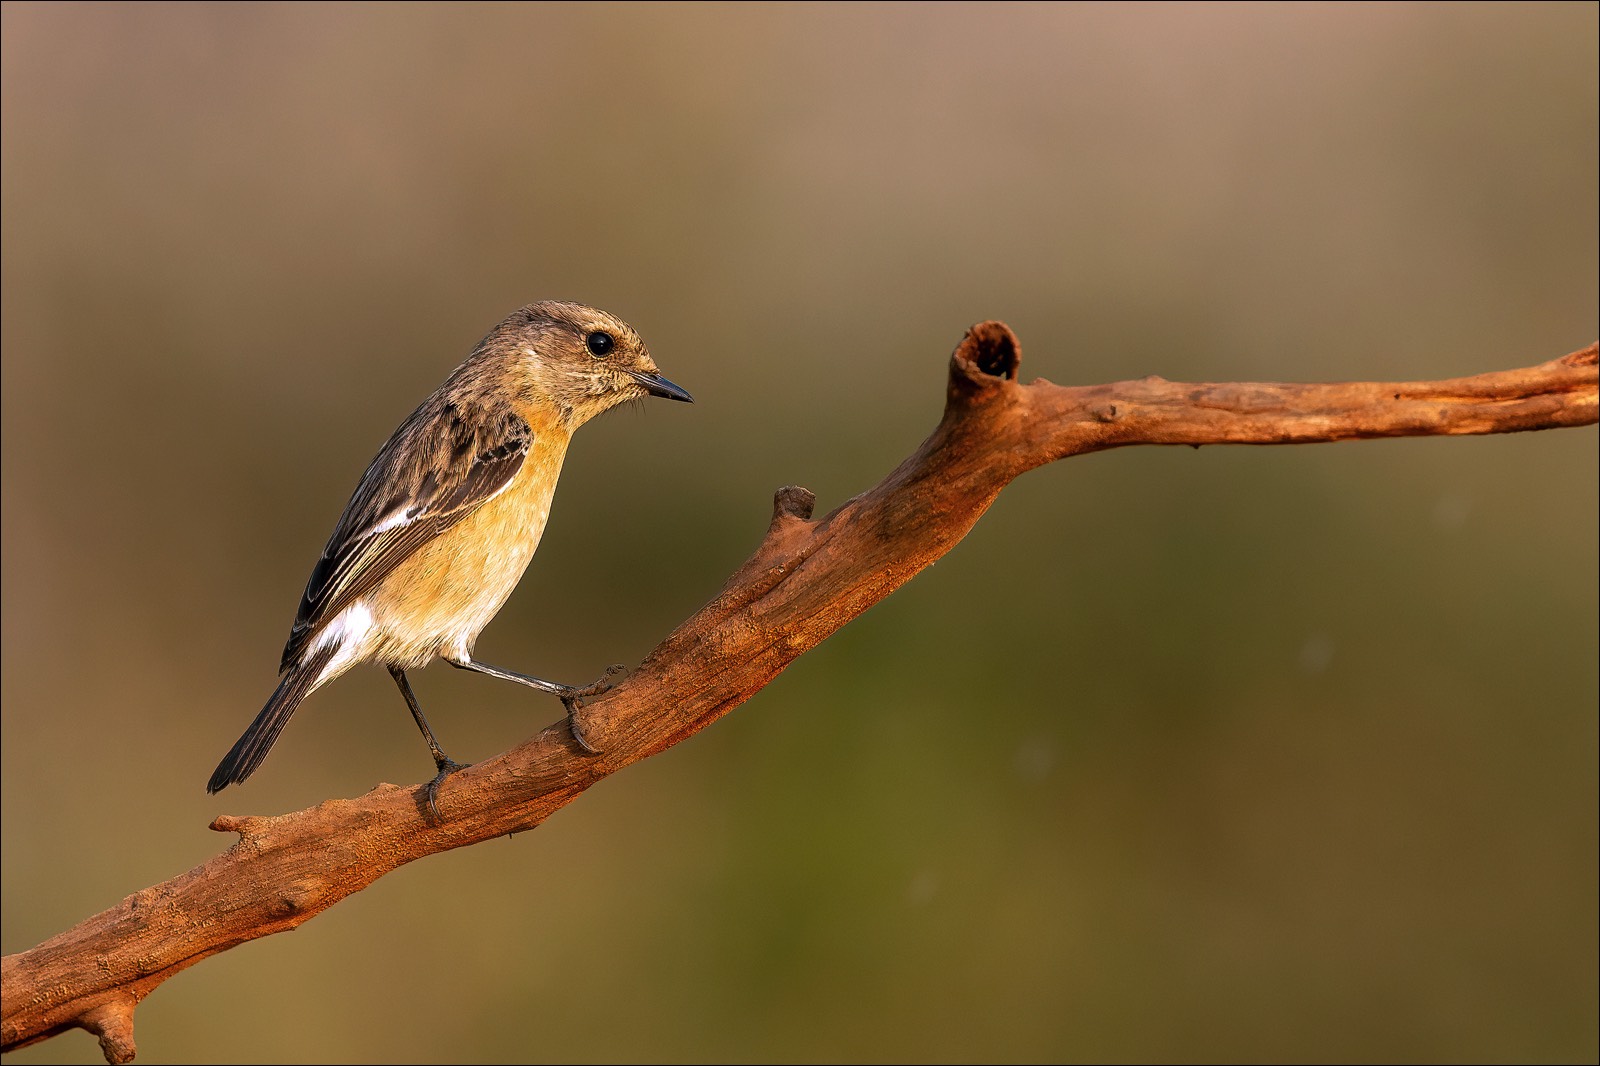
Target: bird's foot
(572, 700)
(601, 684)
(447, 766)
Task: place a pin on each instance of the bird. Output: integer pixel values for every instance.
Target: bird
(447, 517)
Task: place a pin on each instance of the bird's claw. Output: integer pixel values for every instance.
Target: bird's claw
(603, 683)
(573, 702)
(447, 766)
(577, 731)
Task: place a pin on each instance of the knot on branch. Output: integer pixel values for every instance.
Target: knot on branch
(792, 506)
(112, 1022)
(987, 356)
(990, 349)
(245, 825)
(793, 501)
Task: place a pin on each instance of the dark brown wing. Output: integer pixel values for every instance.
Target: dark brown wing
(443, 463)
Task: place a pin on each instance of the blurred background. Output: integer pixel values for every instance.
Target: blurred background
(1274, 754)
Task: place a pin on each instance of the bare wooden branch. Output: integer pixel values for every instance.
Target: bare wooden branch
(807, 578)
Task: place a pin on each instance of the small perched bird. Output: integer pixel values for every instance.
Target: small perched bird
(448, 515)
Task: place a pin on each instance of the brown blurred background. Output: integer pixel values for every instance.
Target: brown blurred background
(1271, 754)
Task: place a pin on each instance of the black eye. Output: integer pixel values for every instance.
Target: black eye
(600, 343)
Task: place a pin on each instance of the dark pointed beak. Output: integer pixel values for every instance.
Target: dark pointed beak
(656, 385)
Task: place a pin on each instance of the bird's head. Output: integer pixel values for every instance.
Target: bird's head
(580, 360)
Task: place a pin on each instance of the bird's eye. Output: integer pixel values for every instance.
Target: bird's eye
(600, 343)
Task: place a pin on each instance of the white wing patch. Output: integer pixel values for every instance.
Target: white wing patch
(349, 634)
(394, 519)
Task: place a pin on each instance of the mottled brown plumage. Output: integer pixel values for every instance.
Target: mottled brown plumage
(445, 520)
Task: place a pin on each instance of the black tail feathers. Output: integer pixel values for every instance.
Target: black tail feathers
(242, 760)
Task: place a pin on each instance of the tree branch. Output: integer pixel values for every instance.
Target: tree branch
(807, 578)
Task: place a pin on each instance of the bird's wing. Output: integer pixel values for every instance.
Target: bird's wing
(439, 467)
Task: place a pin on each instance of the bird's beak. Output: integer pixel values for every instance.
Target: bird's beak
(656, 385)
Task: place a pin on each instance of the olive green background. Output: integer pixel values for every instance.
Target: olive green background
(1232, 754)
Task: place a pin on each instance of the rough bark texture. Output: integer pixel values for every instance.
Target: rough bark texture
(807, 578)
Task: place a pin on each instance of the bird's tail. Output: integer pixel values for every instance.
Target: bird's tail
(243, 758)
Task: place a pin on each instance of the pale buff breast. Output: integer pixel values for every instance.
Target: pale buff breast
(440, 599)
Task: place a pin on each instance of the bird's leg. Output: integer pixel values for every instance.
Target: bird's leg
(570, 695)
(441, 762)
